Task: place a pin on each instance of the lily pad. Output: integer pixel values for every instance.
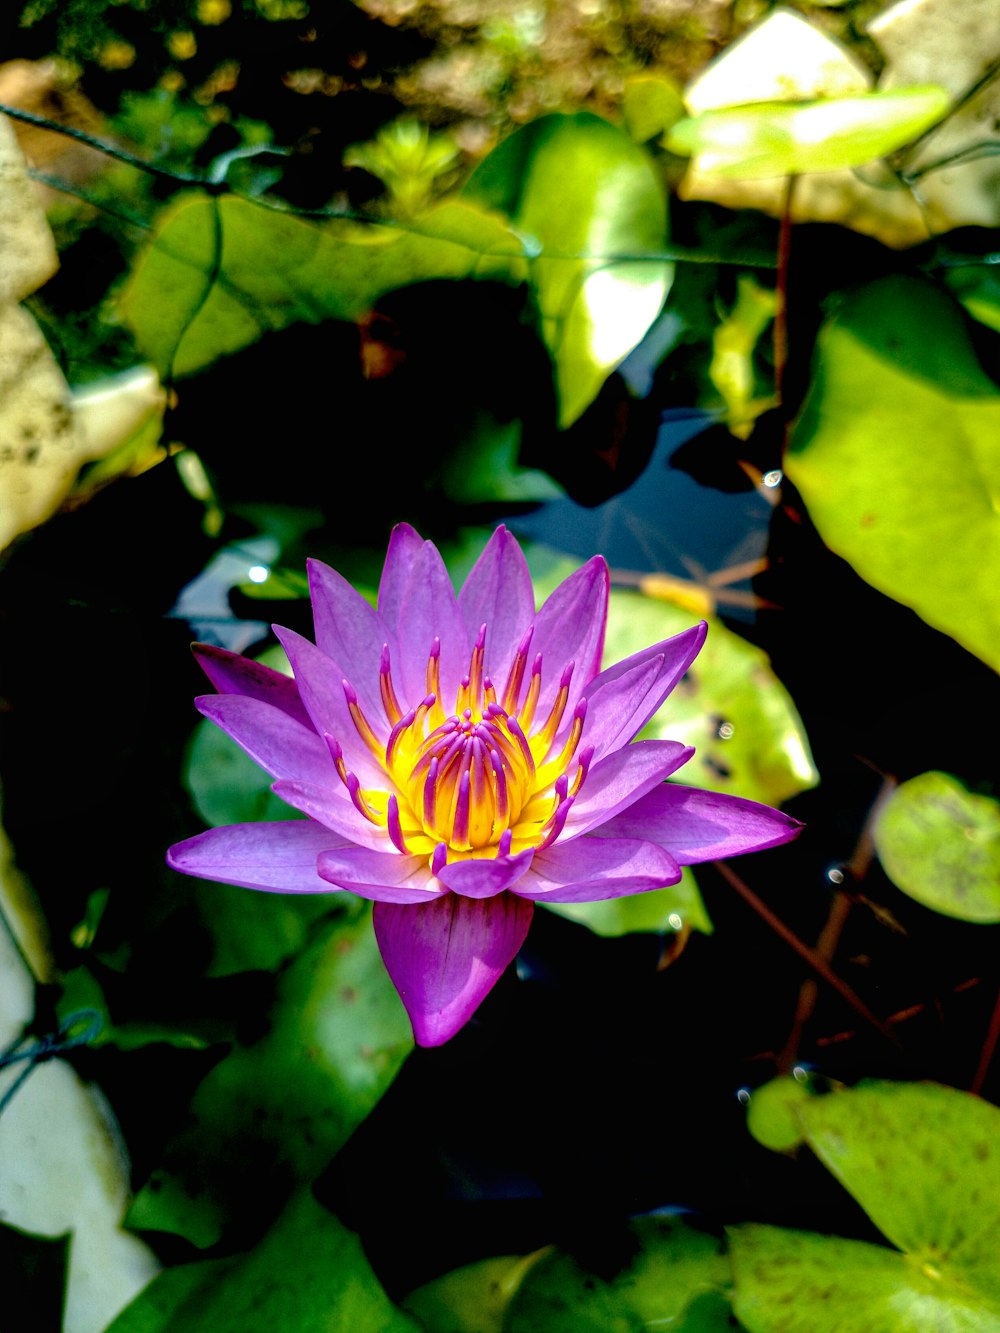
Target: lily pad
(801, 1282)
(748, 738)
(786, 139)
(308, 1275)
(772, 1113)
(908, 489)
(221, 272)
(669, 1266)
(586, 194)
(471, 1299)
(924, 1162)
(941, 844)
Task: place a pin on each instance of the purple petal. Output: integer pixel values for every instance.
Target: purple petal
(570, 628)
(498, 593)
(232, 674)
(622, 778)
(337, 811)
(591, 869)
(349, 631)
(620, 701)
(282, 746)
(702, 825)
(430, 611)
(485, 879)
(445, 957)
(404, 548)
(276, 857)
(384, 876)
(320, 683)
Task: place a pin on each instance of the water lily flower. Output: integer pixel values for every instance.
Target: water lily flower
(460, 758)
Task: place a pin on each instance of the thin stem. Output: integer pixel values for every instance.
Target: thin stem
(989, 1050)
(810, 956)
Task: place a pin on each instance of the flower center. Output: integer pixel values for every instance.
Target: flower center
(481, 781)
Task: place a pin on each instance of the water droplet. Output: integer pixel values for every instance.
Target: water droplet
(743, 1096)
(835, 875)
(773, 478)
(258, 573)
(675, 921)
(800, 1075)
(725, 731)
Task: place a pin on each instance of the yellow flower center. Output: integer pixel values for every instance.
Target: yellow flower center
(480, 782)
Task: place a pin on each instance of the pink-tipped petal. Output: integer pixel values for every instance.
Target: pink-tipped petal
(485, 879)
(334, 808)
(622, 699)
(592, 869)
(381, 876)
(321, 685)
(349, 631)
(283, 747)
(620, 780)
(499, 595)
(275, 858)
(702, 825)
(570, 627)
(446, 956)
(232, 674)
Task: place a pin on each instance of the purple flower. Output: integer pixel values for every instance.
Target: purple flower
(460, 759)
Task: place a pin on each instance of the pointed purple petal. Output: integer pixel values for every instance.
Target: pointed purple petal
(445, 957)
(232, 674)
(485, 879)
(498, 593)
(570, 627)
(276, 858)
(335, 809)
(405, 545)
(592, 869)
(430, 611)
(321, 686)
(702, 825)
(348, 631)
(620, 780)
(615, 713)
(383, 876)
(282, 746)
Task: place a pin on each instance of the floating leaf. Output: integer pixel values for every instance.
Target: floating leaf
(941, 844)
(730, 706)
(669, 1265)
(924, 1162)
(221, 272)
(800, 1282)
(471, 1299)
(733, 343)
(583, 190)
(650, 105)
(308, 1275)
(907, 489)
(784, 139)
(772, 1114)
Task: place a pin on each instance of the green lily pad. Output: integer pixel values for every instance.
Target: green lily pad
(908, 489)
(309, 1274)
(941, 844)
(669, 1267)
(221, 272)
(658, 912)
(337, 1038)
(650, 105)
(772, 1112)
(586, 193)
(765, 139)
(801, 1282)
(471, 1299)
(748, 738)
(924, 1162)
